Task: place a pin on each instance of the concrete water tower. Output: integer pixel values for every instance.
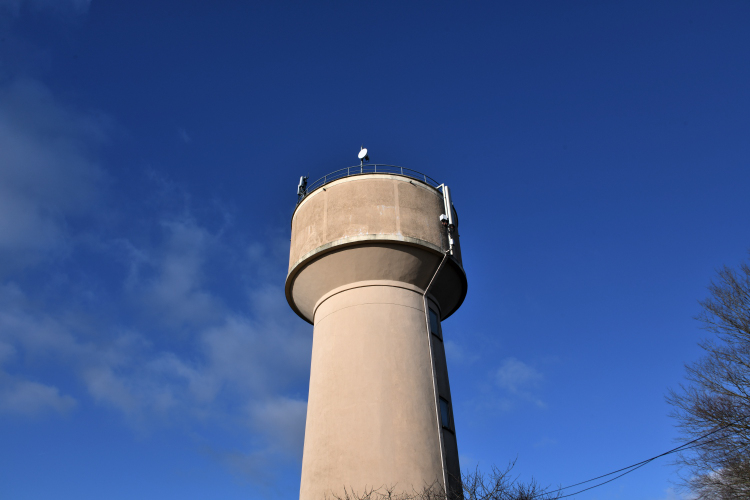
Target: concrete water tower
(375, 266)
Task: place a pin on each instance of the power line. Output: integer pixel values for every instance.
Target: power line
(630, 468)
(605, 482)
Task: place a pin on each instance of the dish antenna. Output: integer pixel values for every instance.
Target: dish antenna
(363, 155)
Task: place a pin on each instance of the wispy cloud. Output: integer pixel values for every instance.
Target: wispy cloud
(48, 172)
(515, 375)
(283, 420)
(31, 398)
(182, 337)
(673, 494)
(233, 367)
(519, 380)
(175, 292)
(184, 135)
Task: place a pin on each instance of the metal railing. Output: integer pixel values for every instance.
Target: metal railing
(372, 168)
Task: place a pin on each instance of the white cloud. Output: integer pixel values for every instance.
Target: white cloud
(171, 345)
(184, 135)
(47, 173)
(672, 494)
(283, 421)
(453, 351)
(519, 380)
(515, 375)
(105, 386)
(257, 465)
(34, 331)
(30, 398)
(231, 367)
(235, 369)
(7, 351)
(457, 354)
(176, 291)
(280, 421)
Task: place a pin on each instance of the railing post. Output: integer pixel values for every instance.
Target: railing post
(347, 171)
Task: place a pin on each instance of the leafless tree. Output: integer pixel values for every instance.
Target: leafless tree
(499, 484)
(717, 394)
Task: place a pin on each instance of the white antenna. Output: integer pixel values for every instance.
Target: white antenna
(363, 155)
(302, 188)
(447, 219)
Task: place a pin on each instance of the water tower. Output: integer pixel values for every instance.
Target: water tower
(375, 266)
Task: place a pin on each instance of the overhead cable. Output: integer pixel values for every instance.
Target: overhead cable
(630, 468)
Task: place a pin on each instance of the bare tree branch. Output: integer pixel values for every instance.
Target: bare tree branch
(499, 484)
(717, 393)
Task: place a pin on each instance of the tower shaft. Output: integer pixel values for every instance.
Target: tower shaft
(364, 249)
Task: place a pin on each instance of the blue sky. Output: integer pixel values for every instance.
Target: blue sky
(149, 154)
